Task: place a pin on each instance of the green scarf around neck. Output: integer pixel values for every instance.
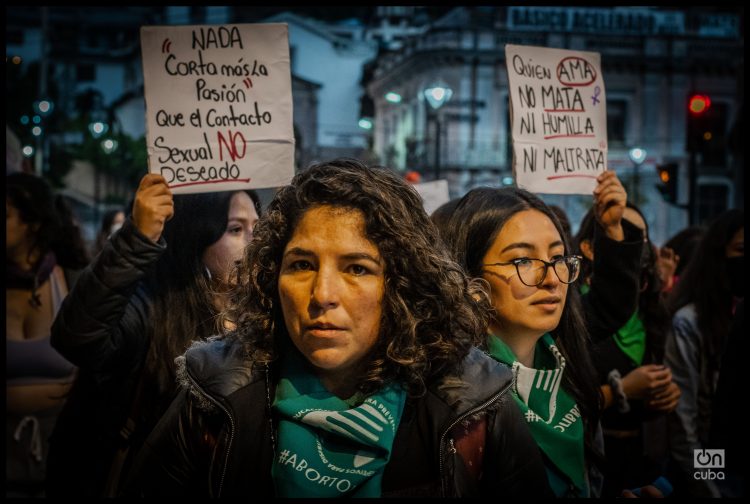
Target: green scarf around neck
(329, 447)
(552, 415)
(630, 338)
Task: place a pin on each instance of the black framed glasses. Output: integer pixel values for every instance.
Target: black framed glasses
(532, 272)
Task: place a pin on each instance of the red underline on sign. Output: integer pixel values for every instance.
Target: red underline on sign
(563, 110)
(571, 176)
(211, 182)
(568, 136)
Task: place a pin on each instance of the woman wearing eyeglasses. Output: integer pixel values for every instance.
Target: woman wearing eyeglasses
(511, 239)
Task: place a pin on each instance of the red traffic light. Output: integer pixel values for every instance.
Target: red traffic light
(664, 176)
(412, 177)
(699, 104)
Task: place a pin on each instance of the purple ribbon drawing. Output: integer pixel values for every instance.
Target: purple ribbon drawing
(595, 98)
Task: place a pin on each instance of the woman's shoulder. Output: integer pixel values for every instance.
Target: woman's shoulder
(481, 380)
(218, 365)
(477, 365)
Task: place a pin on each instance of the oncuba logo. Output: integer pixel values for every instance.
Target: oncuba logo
(705, 461)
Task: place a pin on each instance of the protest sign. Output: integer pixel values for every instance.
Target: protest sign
(218, 106)
(558, 119)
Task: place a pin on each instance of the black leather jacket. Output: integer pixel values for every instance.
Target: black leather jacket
(102, 329)
(218, 437)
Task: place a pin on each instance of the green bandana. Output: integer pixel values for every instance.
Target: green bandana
(631, 338)
(329, 447)
(553, 417)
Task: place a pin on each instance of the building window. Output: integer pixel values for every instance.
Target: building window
(616, 118)
(85, 72)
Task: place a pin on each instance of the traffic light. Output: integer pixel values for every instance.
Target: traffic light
(667, 185)
(698, 106)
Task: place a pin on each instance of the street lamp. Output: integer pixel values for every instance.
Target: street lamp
(392, 97)
(637, 156)
(436, 96)
(98, 128)
(109, 146)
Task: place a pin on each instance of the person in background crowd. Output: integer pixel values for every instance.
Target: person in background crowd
(111, 222)
(43, 252)
(727, 427)
(636, 386)
(703, 304)
(682, 245)
(155, 286)
(352, 370)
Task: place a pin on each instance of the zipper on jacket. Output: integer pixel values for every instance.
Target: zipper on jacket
(472, 411)
(231, 428)
(270, 412)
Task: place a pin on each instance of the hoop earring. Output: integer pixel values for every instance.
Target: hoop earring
(208, 273)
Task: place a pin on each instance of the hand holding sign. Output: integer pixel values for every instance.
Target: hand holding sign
(153, 206)
(610, 200)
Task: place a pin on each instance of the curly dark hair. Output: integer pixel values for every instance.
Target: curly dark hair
(432, 313)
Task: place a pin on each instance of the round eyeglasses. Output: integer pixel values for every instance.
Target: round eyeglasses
(532, 272)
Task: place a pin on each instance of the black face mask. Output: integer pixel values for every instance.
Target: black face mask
(736, 271)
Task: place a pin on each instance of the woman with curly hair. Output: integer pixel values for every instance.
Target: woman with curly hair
(352, 370)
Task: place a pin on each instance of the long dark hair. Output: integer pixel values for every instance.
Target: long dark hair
(182, 296)
(652, 306)
(432, 314)
(473, 228)
(706, 283)
(57, 230)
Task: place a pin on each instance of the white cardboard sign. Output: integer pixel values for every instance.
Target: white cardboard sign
(218, 106)
(558, 118)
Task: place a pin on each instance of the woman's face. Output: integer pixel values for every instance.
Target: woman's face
(523, 311)
(117, 222)
(736, 246)
(220, 257)
(331, 288)
(16, 230)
